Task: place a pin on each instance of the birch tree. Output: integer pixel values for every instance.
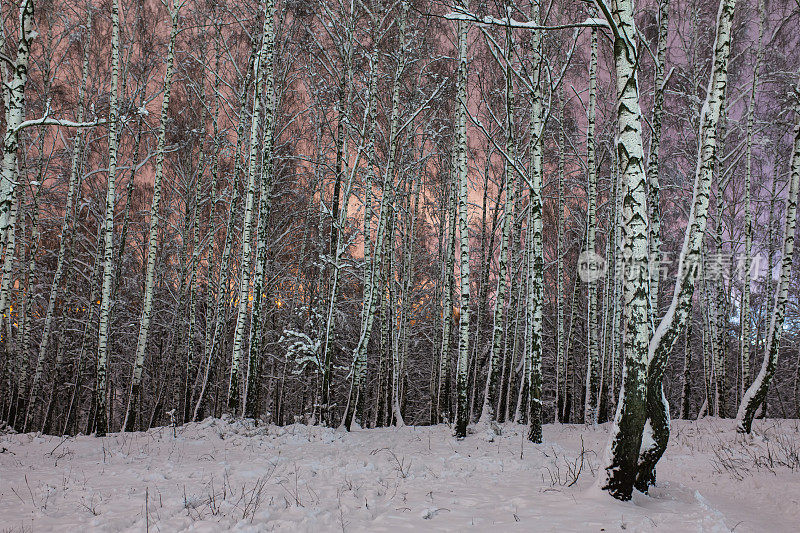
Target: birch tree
(535, 252)
(493, 376)
(653, 164)
(461, 183)
(593, 359)
(108, 233)
(14, 100)
(265, 201)
(354, 410)
(14, 96)
(744, 317)
(234, 393)
(626, 436)
(155, 219)
(214, 339)
(757, 392)
(656, 431)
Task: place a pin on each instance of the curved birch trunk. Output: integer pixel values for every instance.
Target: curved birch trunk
(757, 392)
(666, 334)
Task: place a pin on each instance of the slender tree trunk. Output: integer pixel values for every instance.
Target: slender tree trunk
(443, 407)
(224, 267)
(460, 175)
(757, 391)
(104, 340)
(251, 398)
(744, 317)
(155, 218)
(559, 399)
(234, 393)
(666, 334)
(354, 410)
(593, 357)
(490, 401)
(535, 250)
(687, 365)
(653, 167)
(14, 96)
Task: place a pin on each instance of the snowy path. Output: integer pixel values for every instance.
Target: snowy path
(218, 476)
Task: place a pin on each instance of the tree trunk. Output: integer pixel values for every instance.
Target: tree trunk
(666, 334)
(155, 218)
(626, 434)
(757, 391)
(104, 340)
(460, 175)
(593, 356)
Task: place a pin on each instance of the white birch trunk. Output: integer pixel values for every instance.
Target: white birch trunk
(108, 233)
(653, 167)
(152, 241)
(757, 392)
(224, 266)
(14, 100)
(560, 266)
(14, 90)
(490, 401)
(744, 317)
(460, 173)
(234, 394)
(535, 252)
(623, 449)
(593, 357)
(666, 334)
(265, 203)
(354, 411)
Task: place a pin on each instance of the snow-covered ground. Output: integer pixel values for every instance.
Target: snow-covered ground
(218, 475)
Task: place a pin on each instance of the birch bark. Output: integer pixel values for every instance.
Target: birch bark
(234, 393)
(155, 218)
(265, 203)
(626, 436)
(460, 175)
(108, 234)
(666, 334)
(757, 392)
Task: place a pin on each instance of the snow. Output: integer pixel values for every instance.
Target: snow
(234, 475)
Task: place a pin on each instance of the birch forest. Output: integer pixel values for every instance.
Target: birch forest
(558, 233)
